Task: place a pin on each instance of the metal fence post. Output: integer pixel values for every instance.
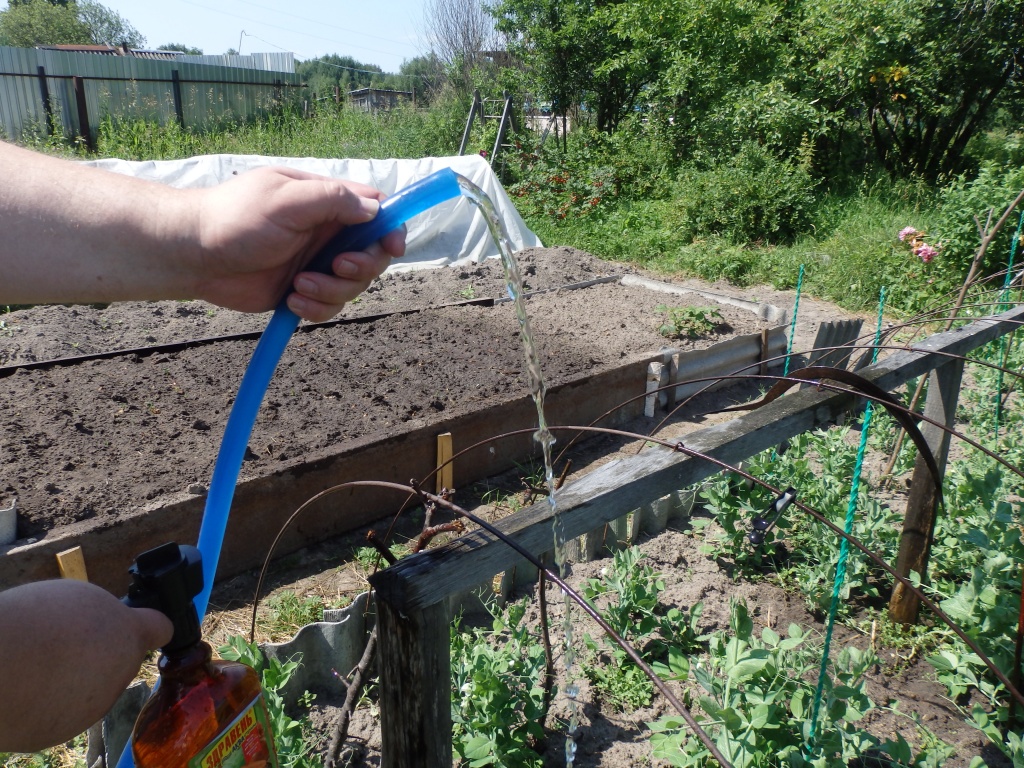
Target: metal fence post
(179, 111)
(477, 106)
(84, 129)
(415, 686)
(922, 503)
(44, 94)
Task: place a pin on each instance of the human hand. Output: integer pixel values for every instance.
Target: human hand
(256, 232)
(67, 651)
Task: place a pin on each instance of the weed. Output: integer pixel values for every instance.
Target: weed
(468, 293)
(688, 322)
(287, 613)
(369, 559)
(69, 755)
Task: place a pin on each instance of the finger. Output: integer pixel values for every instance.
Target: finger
(309, 204)
(319, 297)
(154, 628)
(393, 242)
(363, 190)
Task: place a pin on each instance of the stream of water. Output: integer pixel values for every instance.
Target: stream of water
(543, 436)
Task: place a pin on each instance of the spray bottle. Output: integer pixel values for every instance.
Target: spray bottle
(205, 713)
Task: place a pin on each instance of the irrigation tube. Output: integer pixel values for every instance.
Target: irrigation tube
(844, 544)
(396, 210)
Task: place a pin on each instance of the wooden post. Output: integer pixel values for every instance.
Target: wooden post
(71, 563)
(179, 111)
(84, 130)
(415, 686)
(445, 477)
(44, 94)
(919, 523)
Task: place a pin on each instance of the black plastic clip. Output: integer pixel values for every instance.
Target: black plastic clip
(761, 524)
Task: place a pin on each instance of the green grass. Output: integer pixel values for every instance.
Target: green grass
(342, 133)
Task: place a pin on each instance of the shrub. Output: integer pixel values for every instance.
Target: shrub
(752, 197)
(991, 190)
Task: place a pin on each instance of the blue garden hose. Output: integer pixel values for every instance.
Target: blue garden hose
(424, 194)
(415, 199)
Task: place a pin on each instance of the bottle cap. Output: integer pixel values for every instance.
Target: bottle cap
(167, 578)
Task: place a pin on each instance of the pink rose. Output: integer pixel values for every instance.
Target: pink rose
(926, 252)
(907, 232)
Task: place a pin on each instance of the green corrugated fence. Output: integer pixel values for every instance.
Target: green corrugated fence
(46, 91)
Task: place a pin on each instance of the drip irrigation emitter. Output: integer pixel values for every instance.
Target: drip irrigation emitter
(767, 520)
(439, 187)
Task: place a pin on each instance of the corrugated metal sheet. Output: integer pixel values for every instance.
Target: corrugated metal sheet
(137, 88)
(269, 62)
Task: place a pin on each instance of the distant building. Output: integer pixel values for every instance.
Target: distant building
(378, 99)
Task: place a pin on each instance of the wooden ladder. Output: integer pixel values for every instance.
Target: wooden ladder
(480, 107)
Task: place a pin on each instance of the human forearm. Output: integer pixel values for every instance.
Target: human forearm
(73, 233)
(67, 651)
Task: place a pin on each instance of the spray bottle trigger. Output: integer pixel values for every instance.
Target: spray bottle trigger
(166, 579)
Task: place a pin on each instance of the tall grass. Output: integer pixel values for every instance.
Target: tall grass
(341, 133)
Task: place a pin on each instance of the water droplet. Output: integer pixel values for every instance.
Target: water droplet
(572, 690)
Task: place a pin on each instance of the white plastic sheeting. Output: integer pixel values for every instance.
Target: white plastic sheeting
(450, 233)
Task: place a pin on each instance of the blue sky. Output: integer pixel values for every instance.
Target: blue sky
(381, 32)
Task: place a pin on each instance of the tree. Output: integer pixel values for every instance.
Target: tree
(424, 76)
(572, 57)
(720, 72)
(923, 76)
(463, 37)
(37, 22)
(108, 27)
(180, 48)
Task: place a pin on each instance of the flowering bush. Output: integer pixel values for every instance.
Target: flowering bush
(915, 238)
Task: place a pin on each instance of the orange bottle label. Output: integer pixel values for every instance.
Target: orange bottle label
(246, 743)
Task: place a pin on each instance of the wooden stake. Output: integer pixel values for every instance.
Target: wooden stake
(71, 563)
(919, 522)
(446, 475)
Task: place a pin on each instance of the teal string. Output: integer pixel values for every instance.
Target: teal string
(792, 324)
(844, 546)
(1003, 306)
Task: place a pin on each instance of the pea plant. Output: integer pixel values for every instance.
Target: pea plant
(757, 695)
(497, 700)
(628, 592)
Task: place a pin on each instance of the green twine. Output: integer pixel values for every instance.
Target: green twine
(1003, 306)
(844, 546)
(792, 324)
